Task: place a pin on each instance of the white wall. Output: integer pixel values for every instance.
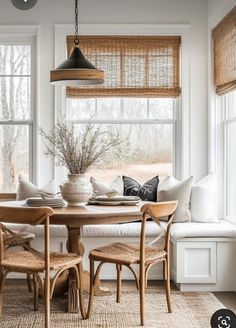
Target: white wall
(217, 9)
(47, 13)
(213, 6)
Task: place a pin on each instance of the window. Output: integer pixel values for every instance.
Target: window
(147, 124)
(224, 36)
(229, 105)
(138, 100)
(16, 111)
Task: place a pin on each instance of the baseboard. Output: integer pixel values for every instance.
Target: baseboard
(202, 288)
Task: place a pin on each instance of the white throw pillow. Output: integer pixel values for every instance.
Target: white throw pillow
(27, 189)
(172, 189)
(165, 184)
(203, 200)
(100, 189)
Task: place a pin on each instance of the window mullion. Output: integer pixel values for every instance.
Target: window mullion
(16, 75)
(10, 122)
(128, 121)
(96, 107)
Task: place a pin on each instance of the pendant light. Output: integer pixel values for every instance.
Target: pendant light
(76, 70)
(24, 4)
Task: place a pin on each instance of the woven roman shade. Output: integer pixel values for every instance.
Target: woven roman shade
(224, 36)
(134, 66)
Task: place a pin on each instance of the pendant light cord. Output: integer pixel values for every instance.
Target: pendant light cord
(76, 40)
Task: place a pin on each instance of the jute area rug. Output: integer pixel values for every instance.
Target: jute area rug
(190, 310)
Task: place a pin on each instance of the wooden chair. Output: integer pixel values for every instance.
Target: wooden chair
(34, 262)
(10, 241)
(123, 254)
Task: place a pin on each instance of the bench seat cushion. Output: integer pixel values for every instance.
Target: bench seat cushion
(179, 230)
(106, 230)
(197, 229)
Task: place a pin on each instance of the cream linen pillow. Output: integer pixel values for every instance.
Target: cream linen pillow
(172, 189)
(27, 189)
(203, 200)
(165, 184)
(100, 189)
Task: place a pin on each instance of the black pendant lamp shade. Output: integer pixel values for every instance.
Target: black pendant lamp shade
(24, 4)
(76, 70)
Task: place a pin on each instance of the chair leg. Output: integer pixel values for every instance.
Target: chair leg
(2, 282)
(118, 292)
(91, 291)
(146, 277)
(47, 300)
(142, 292)
(164, 271)
(167, 284)
(81, 296)
(36, 293)
(29, 283)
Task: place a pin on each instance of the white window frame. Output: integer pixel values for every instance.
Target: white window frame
(181, 131)
(223, 103)
(26, 35)
(221, 155)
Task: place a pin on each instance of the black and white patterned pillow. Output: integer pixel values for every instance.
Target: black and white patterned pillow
(147, 191)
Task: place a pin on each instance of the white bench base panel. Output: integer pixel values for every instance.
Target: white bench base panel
(204, 264)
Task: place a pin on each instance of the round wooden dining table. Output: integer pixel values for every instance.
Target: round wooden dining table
(74, 218)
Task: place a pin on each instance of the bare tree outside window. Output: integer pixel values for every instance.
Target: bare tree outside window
(147, 125)
(15, 113)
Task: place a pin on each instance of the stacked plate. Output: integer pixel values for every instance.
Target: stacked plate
(113, 201)
(50, 202)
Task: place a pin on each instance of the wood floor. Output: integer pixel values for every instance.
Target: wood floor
(228, 299)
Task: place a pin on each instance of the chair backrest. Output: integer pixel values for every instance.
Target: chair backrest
(159, 210)
(25, 215)
(4, 197)
(156, 211)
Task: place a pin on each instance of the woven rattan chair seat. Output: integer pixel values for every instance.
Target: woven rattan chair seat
(27, 261)
(123, 253)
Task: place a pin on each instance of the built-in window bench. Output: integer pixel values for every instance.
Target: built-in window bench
(203, 254)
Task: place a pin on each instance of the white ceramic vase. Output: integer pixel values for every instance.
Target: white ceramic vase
(76, 190)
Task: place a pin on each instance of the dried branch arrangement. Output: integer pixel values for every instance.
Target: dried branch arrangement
(79, 150)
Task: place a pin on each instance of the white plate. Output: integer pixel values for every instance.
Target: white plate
(39, 202)
(47, 200)
(53, 206)
(114, 203)
(116, 199)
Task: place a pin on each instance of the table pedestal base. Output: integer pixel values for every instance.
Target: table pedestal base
(64, 285)
(74, 245)
(99, 290)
